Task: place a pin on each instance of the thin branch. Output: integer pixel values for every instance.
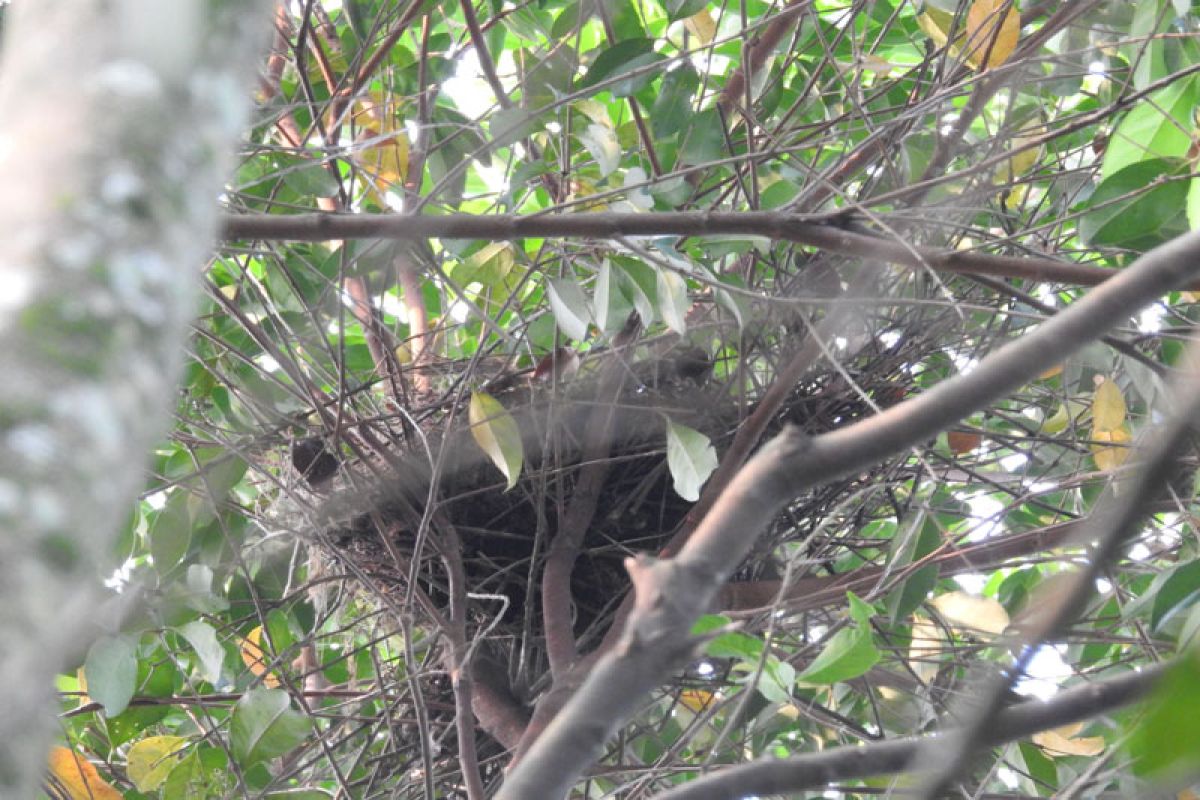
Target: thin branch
(813, 231)
(817, 770)
(1115, 518)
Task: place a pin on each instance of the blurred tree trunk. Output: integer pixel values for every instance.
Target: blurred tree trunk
(115, 139)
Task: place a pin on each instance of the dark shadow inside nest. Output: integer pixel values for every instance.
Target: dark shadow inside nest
(503, 533)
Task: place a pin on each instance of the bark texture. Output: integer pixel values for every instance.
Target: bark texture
(118, 122)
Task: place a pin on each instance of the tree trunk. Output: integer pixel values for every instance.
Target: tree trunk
(114, 143)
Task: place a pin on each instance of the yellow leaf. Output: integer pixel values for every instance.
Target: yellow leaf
(702, 26)
(152, 759)
(78, 778)
(971, 614)
(1021, 163)
(1050, 373)
(1109, 457)
(384, 152)
(874, 63)
(927, 643)
(937, 24)
(1108, 407)
(1066, 413)
(386, 161)
(696, 699)
(596, 111)
(497, 434)
(256, 660)
(581, 188)
(490, 265)
(83, 697)
(1062, 742)
(993, 28)
(986, 20)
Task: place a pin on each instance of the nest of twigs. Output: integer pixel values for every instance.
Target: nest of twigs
(440, 498)
(504, 532)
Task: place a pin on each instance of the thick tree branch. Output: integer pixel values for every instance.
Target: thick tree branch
(1116, 517)
(671, 594)
(814, 231)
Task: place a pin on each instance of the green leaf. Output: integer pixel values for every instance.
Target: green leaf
(709, 622)
(674, 106)
(497, 434)
(906, 548)
(620, 59)
(568, 21)
(691, 459)
(682, 9)
(703, 139)
(198, 593)
(778, 194)
(221, 472)
(186, 780)
(1040, 768)
(570, 307)
(640, 283)
(111, 672)
(171, 532)
(860, 610)
(311, 180)
(735, 644)
(490, 265)
(1193, 204)
(509, 125)
(265, 726)
(849, 653)
(1138, 207)
(1164, 743)
(1178, 590)
(778, 679)
(1156, 128)
(611, 301)
(203, 639)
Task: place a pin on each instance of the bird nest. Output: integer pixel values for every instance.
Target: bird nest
(401, 523)
(444, 493)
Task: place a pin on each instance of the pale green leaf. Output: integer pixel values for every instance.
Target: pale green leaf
(570, 307)
(497, 434)
(691, 459)
(673, 301)
(111, 672)
(151, 760)
(203, 639)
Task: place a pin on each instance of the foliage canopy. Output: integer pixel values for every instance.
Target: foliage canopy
(387, 534)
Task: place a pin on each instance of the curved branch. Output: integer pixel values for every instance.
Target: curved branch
(670, 595)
